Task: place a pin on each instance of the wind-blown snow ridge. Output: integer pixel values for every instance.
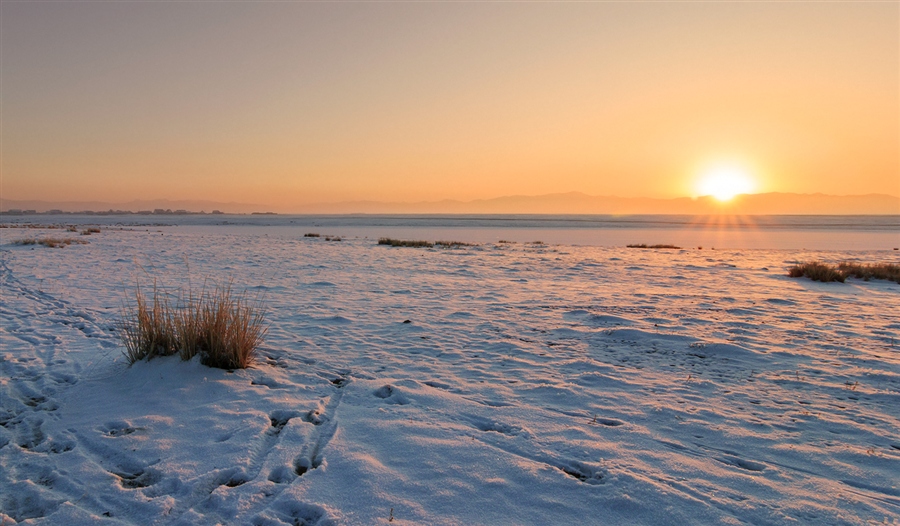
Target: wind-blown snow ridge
(532, 384)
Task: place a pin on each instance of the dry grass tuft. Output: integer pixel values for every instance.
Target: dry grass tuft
(816, 271)
(311, 234)
(886, 271)
(452, 244)
(148, 330)
(822, 272)
(223, 328)
(422, 244)
(52, 242)
(642, 245)
(89, 231)
(404, 243)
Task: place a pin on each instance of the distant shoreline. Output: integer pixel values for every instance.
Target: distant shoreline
(411, 215)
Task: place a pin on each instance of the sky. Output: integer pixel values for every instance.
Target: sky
(291, 103)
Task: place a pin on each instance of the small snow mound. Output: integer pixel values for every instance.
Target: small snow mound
(729, 350)
(336, 320)
(607, 319)
(575, 314)
(321, 284)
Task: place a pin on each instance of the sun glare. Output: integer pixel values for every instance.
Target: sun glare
(724, 183)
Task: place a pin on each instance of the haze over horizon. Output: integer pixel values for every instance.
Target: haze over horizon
(295, 104)
(556, 204)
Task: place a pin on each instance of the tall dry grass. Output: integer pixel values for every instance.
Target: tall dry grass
(147, 329)
(816, 271)
(886, 271)
(223, 328)
(822, 272)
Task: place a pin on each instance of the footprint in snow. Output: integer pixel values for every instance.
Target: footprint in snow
(747, 465)
(302, 464)
(609, 422)
(282, 475)
(117, 428)
(279, 419)
(582, 471)
(315, 417)
(141, 478)
(30, 435)
(391, 395)
(292, 512)
(488, 425)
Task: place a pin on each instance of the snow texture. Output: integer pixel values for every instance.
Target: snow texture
(495, 384)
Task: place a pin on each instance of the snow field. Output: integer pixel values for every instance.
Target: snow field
(531, 385)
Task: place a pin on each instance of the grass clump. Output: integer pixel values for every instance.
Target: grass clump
(148, 330)
(89, 231)
(51, 242)
(327, 237)
(886, 271)
(223, 328)
(452, 244)
(816, 271)
(404, 243)
(643, 245)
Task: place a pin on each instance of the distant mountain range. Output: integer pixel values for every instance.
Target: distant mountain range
(579, 203)
(561, 203)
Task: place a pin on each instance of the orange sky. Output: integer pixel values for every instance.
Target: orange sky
(292, 103)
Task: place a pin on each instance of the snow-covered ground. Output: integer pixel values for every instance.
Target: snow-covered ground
(532, 384)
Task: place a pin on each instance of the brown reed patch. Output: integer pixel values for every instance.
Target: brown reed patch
(222, 327)
(404, 243)
(453, 244)
(818, 271)
(643, 245)
(885, 271)
(51, 242)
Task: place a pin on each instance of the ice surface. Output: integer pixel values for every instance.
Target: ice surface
(532, 384)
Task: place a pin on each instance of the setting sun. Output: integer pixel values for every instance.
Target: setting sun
(724, 183)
